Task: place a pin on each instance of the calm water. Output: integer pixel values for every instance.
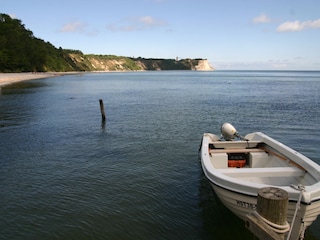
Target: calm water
(65, 175)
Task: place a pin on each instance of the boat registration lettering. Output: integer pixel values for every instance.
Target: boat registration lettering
(246, 205)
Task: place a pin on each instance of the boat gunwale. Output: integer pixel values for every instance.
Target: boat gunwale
(255, 195)
(213, 174)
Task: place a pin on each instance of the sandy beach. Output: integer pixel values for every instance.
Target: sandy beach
(9, 78)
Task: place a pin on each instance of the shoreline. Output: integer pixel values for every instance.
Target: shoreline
(10, 78)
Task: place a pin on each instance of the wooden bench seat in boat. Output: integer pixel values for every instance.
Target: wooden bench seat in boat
(222, 159)
(236, 150)
(263, 172)
(235, 144)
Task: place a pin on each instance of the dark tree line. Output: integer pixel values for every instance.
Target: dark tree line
(21, 51)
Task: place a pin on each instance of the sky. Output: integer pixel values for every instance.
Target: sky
(231, 34)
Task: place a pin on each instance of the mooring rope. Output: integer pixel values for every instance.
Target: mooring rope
(300, 188)
(275, 227)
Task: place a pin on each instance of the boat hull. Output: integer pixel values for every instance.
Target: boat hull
(237, 188)
(241, 205)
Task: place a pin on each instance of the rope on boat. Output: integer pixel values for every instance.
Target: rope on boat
(300, 188)
(275, 227)
(302, 232)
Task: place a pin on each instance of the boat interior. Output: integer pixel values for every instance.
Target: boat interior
(254, 161)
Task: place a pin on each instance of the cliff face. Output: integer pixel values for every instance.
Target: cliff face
(116, 63)
(203, 65)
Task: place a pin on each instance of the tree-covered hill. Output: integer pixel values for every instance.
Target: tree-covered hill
(21, 51)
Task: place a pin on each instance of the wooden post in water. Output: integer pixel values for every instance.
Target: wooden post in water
(103, 115)
(269, 222)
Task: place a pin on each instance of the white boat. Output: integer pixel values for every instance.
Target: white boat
(237, 167)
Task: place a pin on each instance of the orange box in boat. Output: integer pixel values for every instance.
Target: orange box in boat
(236, 163)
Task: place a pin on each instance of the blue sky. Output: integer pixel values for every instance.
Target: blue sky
(231, 34)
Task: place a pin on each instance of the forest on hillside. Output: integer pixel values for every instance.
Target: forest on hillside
(21, 51)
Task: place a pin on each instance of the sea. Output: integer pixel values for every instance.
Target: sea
(66, 174)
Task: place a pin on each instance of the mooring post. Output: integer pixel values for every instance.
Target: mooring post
(269, 221)
(103, 115)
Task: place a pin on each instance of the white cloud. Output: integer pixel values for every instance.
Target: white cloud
(262, 18)
(295, 26)
(279, 64)
(272, 64)
(150, 21)
(136, 24)
(73, 27)
(78, 27)
(13, 16)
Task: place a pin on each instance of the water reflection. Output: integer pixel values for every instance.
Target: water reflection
(103, 125)
(16, 110)
(17, 88)
(218, 221)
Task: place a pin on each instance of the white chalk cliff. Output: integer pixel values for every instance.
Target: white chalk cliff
(203, 65)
